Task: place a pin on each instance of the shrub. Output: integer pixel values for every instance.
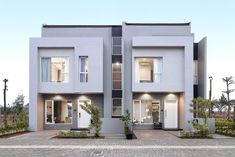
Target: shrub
(13, 127)
(80, 134)
(126, 118)
(224, 126)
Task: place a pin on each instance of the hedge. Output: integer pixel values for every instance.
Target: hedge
(225, 127)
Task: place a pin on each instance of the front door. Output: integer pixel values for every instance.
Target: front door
(170, 114)
(84, 119)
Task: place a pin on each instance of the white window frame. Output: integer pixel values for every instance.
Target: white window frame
(83, 72)
(52, 110)
(155, 71)
(67, 74)
(140, 108)
(52, 118)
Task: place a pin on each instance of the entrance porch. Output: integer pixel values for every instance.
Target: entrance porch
(158, 111)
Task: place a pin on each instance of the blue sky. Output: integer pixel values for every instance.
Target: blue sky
(23, 19)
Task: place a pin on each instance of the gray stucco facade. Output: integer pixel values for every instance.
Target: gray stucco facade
(174, 43)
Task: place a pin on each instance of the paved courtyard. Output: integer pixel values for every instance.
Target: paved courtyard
(149, 143)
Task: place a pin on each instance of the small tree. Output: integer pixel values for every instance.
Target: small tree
(95, 117)
(18, 104)
(200, 107)
(220, 104)
(229, 81)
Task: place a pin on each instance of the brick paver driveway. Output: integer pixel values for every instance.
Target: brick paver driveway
(149, 143)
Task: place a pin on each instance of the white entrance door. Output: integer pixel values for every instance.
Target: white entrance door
(170, 114)
(84, 119)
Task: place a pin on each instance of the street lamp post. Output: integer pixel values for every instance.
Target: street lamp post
(5, 104)
(210, 95)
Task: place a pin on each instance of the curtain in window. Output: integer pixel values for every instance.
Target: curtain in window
(137, 71)
(46, 69)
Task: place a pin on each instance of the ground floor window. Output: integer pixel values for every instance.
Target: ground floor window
(146, 111)
(58, 111)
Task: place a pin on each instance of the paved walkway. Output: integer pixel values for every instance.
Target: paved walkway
(149, 143)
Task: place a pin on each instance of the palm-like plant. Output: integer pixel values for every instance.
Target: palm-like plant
(229, 81)
(96, 122)
(200, 107)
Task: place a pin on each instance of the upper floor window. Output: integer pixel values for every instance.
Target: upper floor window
(55, 69)
(117, 75)
(195, 69)
(148, 70)
(117, 45)
(83, 60)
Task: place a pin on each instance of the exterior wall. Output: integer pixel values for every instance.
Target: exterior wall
(181, 111)
(33, 93)
(102, 32)
(173, 69)
(112, 126)
(40, 110)
(202, 68)
(157, 30)
(73, 48)
(53, 87)
(134, 37)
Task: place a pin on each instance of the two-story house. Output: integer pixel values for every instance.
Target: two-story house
(152, 69)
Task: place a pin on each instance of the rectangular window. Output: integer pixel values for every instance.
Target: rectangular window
(148, 70)
(83, 68)
(117, 107)
(117, 45)
(117, 75)
(57, 111)
(55, 69)
(195, 69)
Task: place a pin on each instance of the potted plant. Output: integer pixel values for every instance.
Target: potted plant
(126, 118)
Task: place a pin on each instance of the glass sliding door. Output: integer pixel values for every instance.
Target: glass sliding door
(146, 111)
(137, 111)
(57, 111)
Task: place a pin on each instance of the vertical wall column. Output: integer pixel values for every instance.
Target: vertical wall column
(117, 68)
(33, 88)
(188, 72)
